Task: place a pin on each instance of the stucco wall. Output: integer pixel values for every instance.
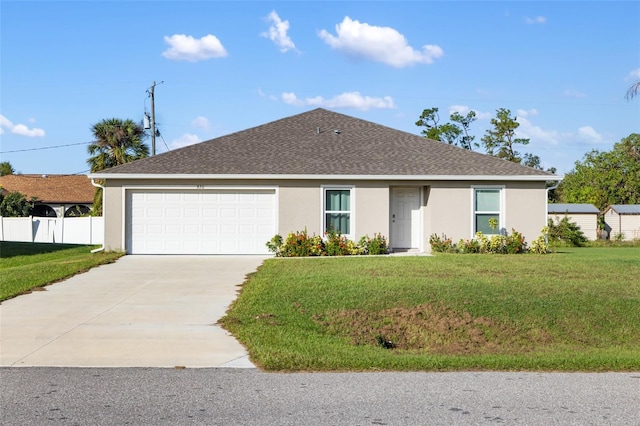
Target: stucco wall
(446, 206)
(300, 207)
(526, 208)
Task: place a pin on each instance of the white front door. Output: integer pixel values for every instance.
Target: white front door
(405, 218)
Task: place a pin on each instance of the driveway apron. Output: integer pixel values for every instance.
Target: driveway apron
(141, 311)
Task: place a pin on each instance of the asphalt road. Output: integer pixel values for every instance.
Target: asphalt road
(146, 396)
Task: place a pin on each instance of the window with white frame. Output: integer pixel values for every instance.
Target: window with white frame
(337, 210)
(487, 206)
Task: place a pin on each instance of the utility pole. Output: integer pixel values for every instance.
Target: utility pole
(151, 92)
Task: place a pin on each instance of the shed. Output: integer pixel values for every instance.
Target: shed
(584, 215)
(624, 221)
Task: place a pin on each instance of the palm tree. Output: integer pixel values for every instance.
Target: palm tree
(116, 142)
(633, 90)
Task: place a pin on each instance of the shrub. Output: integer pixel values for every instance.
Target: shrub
(336, 244)
(296, 244)
(275, 245)
(300, 243)
(497, 244)
(441, 244)
(539, 246)
(468, 246)
(515, 243)
(375, 245)
(566, 232)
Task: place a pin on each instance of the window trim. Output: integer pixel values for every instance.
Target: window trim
(352, 205)
(501, 212)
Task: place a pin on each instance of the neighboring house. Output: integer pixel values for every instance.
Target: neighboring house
(584, 215)
(624, 221)
(58, 195)
(313, 171)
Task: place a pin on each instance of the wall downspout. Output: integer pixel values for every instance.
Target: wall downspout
(97, 185)
(546, 204)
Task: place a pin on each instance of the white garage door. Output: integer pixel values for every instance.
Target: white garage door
(199, 221)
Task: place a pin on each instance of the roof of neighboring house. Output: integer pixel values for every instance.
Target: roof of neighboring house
(320, 143)
(572, 208)
(65, 189)
(625, 208)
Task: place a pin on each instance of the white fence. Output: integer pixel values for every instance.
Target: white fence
(63, 230)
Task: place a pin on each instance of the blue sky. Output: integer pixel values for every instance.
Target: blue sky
(561, 67)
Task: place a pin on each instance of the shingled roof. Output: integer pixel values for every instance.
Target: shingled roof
(324, 143)
(62, 189)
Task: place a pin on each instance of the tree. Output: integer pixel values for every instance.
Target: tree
(466, 141)
(451, 133)
(116, 142)
(500, 140)
(15, 204)
(6, 168)
(604, 178)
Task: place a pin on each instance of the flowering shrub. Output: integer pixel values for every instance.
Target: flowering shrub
(336, 244)
(374, 245)
(300, 243)
(497, 244)
(441, 244)
(296, 244)
(539, 246)
(515, 243)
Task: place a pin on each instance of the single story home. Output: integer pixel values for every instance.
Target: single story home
(58, 195)
(584, 215)
(624, 221)
(317, 170)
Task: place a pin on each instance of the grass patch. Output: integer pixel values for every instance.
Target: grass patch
(575, 310)
(28, 266)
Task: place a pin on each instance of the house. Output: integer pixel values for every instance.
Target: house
(624, 221)
(315, 170)
(584, 215)
(58, 195)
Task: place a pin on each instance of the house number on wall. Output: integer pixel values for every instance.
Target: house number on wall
(199, 186)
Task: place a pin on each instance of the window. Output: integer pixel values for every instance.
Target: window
(487, 206)
(337, 210)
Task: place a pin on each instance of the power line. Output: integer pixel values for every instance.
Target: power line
(45, 147)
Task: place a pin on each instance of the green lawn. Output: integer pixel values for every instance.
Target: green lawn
(575, 310)
(25, 266)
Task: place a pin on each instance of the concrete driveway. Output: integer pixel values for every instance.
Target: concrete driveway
(142, 311)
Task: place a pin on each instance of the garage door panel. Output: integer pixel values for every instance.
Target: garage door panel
(199, 222)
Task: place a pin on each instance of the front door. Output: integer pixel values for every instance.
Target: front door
(405, 218)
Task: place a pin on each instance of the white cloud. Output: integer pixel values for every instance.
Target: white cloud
(464, 110)
(634, 75)
(527, 130)
(201, 122)
(344, 100)
(184, 140)
(572, 93)
(589, 135)
(520, 113)
(536, 20)
(186, 48)
(380, 44)
(19, 129)
(277, 32)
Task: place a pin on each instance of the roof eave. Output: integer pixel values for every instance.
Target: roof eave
(136, 176)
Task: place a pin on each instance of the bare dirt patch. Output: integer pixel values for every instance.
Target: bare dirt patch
(432, 328)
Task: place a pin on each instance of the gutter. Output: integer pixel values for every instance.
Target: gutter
(182, 176)
(97, 185)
